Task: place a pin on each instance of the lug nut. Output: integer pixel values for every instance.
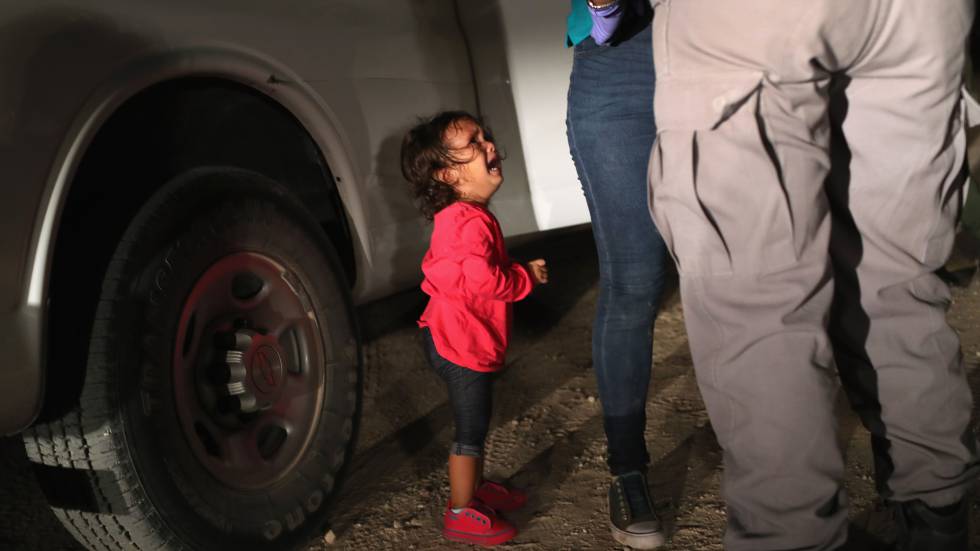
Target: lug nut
(247, 403)
(235, 357)
(242, 340)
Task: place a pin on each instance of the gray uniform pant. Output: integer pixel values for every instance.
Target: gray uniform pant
(807, 177)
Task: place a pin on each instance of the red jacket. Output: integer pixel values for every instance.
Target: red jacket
(471, 283)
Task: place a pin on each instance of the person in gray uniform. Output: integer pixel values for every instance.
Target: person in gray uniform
(807, 177)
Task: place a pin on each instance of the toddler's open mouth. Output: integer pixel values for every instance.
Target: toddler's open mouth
(493, 165)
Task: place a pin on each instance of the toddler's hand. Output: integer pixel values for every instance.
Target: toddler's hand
(539, 271)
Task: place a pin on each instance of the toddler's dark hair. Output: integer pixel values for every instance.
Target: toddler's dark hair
(424, 153)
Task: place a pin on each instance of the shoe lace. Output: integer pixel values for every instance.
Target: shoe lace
(486, 510)
(634, 486)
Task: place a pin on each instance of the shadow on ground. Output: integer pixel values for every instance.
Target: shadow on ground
(26, 522)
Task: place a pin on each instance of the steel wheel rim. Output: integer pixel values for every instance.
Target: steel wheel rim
(248, 370)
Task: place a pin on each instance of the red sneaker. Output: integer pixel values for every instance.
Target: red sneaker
(500, 497)
(477, 523)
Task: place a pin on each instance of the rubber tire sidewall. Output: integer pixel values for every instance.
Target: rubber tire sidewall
(206, 215)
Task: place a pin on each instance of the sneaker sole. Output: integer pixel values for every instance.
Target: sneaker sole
(485, 541)
(652, 540)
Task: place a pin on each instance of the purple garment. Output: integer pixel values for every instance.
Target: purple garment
(604, 21)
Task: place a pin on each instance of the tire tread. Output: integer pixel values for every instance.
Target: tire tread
(85, 439)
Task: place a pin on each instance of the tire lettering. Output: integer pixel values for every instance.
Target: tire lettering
(162, 275)
(272, 530)
(161, 278)
(199, 506)
(338, 458)
(314, 501)
(295, 518)
(147, 403)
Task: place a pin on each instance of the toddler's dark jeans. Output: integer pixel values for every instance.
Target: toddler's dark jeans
(470, 396)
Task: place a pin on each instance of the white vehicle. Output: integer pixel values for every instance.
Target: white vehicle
(196, 194)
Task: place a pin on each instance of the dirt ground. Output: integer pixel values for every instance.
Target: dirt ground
(546, 434)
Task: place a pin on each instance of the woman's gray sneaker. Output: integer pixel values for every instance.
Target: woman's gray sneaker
(923, 528)
(631, 515)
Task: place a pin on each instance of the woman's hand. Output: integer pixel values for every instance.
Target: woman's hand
(539, 271)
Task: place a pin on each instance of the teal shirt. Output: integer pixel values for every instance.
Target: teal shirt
(579, 23)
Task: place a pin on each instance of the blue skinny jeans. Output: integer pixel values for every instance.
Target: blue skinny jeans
(470, 396)
(610, 133)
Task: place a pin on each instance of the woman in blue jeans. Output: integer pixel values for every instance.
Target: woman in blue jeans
(610, 133)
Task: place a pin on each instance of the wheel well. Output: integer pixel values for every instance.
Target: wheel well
(162, 132)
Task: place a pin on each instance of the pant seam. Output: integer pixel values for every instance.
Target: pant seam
(713, 365)
(584, 175)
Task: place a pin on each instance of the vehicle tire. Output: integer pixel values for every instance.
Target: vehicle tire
(222, 381)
